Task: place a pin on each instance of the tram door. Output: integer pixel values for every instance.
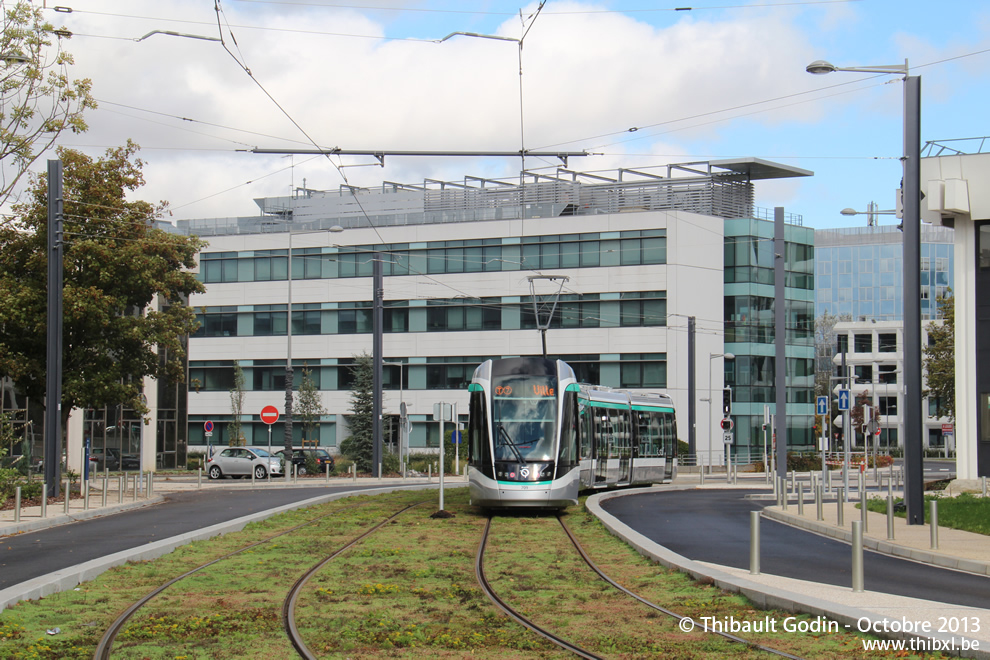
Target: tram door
(603, 444)
(624, 444)
(669, 440)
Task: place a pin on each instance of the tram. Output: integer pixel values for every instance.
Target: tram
(536, 436)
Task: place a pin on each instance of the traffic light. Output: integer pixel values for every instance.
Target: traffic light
(726, 424)
(726, 402)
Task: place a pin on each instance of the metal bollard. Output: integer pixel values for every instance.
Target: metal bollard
(354, 471)
(429, 473)
(933, 521)
(857, 556)
(819, 497)
(67, 493)
(800, 500)
(295, 473)
(702, 471)
(199, 478)
(754, 542)
(839, 501)
(17, 504)
(984, 484)
(84, 484)
(103, 495)
(890, 517)
(44, 499)
(326, 471)
(151, 483)
(135, 486)
(863, 511)
(784, 493)
(252, 477)
(120, 489)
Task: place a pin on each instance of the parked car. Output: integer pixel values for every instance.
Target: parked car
(323, 458)
(104, 458)
(130, 462)
(240, 462)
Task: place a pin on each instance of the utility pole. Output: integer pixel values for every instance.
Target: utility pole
(53, 384)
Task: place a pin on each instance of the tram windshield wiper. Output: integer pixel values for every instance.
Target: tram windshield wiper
(506, 440)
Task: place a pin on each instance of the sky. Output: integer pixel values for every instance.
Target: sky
(634, 82)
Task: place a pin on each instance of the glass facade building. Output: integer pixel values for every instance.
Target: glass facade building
(859, 274)
(750, 332)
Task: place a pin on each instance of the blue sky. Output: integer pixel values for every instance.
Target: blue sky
(704, 84)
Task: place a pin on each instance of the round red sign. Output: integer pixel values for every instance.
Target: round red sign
(269, 414)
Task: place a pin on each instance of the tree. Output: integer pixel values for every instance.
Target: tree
(37, 99)
(939, 359)
(359, 445)
(857, 414)
(125, 287)
(236, 407)
(309, 406)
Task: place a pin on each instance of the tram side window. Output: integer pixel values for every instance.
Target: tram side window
(621, 442)
(669, 435)
(478, 444)
(569, 433)
(586, 422)
(650, 443)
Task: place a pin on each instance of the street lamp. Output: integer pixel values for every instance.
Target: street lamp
(711, 357)
(911, 191)
(872, 211)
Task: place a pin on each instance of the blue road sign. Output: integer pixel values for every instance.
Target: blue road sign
(843, 400)
(822, 408)
(455, 437)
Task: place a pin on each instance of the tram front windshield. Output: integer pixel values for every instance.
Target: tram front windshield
(524, 418)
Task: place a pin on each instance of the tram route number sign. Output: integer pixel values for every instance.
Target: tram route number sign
(728, 437)
(269, 415)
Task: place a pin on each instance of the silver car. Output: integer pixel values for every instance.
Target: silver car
(240, 462)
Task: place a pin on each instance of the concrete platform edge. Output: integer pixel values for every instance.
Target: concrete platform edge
(761, 595)
(72, 576)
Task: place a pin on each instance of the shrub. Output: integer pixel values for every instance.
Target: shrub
(312, 467)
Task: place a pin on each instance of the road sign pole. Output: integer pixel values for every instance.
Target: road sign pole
(457, 445)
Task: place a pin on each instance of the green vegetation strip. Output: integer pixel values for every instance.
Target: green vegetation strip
(965, 511)
(409, 590)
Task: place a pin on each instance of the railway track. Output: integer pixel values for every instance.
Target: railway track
(105, 646)
(289, 604)
(567, 645)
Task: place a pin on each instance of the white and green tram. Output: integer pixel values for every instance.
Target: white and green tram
(536, 436)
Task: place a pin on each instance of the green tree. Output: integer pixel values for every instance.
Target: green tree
(38, 100)
(939, 359)
(309, 406)
(236, 407)
(125, 287)
(359, 445)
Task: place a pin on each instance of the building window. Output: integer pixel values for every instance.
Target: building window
(888, 342)
(842, 344)
(887, 374)
(864, 373)
(863, 344)
(888, 405)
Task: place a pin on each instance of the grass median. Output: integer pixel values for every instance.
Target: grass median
(408, 590)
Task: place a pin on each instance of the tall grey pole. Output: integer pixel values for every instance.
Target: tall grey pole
(692, 387)
(847, 434)
(53, 383)
(780, 340)
(376, 357)
(287, 441)
(914, 497)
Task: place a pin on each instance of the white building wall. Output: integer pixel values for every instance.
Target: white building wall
(692, 279)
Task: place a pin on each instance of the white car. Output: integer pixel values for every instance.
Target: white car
(240, 462)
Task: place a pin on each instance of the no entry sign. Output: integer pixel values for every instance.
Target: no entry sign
(269, 414)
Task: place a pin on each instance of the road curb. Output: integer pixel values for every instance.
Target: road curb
(763, 596)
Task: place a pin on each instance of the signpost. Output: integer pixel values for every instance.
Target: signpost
(208, 427)
(846, 437)
(269, 415)
(441, 413)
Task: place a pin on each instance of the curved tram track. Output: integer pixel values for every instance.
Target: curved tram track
(542, 632)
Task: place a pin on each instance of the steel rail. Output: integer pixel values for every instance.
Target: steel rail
(106, 642)
(594, 567)
(479, 571)
(289, 604)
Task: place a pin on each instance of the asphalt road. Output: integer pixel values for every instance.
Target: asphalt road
(713, 526)
(27, 556)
